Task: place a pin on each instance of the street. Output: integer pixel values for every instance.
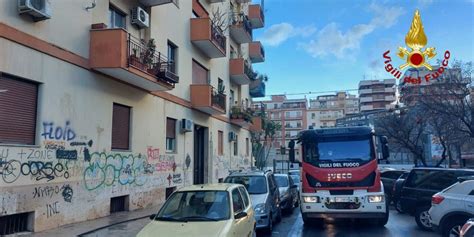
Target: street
(292, 225)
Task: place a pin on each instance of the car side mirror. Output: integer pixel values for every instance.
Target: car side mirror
(240, 215)
(152, 217)
(291, 152)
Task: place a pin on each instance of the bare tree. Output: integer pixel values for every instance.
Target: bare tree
(404, 128)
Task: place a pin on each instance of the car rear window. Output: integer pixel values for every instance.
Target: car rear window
(433, 179)
(253, 184)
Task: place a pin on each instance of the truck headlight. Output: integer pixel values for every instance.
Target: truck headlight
(311, 199)
(375, 198)
(260, 208)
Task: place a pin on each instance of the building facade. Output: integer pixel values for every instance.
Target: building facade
(291, 114)
(108, 107)
(377, 94)
(326, 109)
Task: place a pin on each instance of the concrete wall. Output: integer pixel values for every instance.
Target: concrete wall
(71, 178)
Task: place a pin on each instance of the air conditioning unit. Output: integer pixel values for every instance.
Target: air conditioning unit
(232, 136)
(186, 125)
(38, 9)
(140, 17)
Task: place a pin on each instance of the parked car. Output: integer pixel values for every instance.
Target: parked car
(204, 210)
(294, 172)
(420, 185)
(396, 190)
(452, 207)
(288, 192)
(467, 230)
(263, 190)
(389, 177)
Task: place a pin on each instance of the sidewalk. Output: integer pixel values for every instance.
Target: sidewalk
(87, 226)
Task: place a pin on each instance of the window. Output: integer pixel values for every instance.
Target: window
(237, 202)
(117, 18)
(236, 147)
(200, 74)
(231, 97)
(247, 147)
(172, 57)
(313, 115)
(18, 101)
(220, 85)
(170, 135)
(120, 127)
(275, 106)
(245, 196)
(220, 143)
(287, 114)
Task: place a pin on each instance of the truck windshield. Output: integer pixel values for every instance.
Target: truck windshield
(339, 150)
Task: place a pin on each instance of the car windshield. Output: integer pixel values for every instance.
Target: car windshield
(253, 184)
(295, 178)
(282, 181)
(196, 206)
(337, 150)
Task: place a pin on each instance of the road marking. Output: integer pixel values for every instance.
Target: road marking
(296, 227)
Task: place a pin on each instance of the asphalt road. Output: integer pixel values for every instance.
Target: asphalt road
(292, 225)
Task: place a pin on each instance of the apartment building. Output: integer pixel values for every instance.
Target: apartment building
(111, 105)
(291, 114)
(324, 110)
(377, 94)
(449, 83)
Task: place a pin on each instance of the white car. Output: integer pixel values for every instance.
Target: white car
(452, 207)
(204, 210)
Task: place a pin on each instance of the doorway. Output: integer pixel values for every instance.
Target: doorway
(200, 154)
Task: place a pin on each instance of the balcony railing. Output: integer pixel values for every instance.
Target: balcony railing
(241, 115)
(257, 88)
(147, 60)
(248, 70)
(240, 29)
(218, 99)
(218, 36)
(208, 37)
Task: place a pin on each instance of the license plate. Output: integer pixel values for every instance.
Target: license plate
(342, 199)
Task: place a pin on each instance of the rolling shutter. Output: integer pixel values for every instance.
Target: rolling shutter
(18, 101)
(121, 127)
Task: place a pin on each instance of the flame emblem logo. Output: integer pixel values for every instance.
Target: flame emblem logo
(416, 40)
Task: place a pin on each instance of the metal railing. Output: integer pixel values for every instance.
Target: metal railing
(262, 50)
(218, 36)
(218, 99)
(148, 60)
(241, 18)
(248, 70)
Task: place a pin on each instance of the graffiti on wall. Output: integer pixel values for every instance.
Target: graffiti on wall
(52, 131)
(51, 191)
(52, 209)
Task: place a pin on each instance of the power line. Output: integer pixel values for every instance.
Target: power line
(315, 92)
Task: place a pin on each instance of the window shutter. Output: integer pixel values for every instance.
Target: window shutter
(121, 127)
(18, 101)
(170, 128)
(200, 74)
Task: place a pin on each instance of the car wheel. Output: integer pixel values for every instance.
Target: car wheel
(398, 206)
(423, 219)
(278, 219)
(297, 203)
(453, 227)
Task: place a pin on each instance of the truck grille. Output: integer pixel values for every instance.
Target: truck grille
(366, 182)
(342, 205)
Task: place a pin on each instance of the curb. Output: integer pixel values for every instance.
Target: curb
(107, 226)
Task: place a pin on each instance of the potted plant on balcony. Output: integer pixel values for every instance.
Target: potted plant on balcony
(149, 57)
(236, 113)
(135, 59)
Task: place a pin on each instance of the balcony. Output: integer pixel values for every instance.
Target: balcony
(207, 99)
(208, 38)
(257, 88)
(152, 3)
(240, 72)
(116, 53)
(256, 52)
(256, 124)
(240, 29)
(256, 16)
(215, 1)
(241, 116)
(242, 1)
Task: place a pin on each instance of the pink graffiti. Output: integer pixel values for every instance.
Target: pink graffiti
(165, 166)
(153, 153)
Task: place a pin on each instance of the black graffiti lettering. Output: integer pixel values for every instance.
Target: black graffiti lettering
(67, 193)
(52, 209)
(44, 170)
(66, 154)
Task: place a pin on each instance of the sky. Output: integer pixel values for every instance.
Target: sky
(330, 45)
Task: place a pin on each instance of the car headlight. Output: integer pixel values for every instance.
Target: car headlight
(375, 198)
(260, 208)
(311, 199)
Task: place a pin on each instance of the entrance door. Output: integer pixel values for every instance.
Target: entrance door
(200, 154)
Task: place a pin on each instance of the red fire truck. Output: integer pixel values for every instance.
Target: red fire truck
(339, 174)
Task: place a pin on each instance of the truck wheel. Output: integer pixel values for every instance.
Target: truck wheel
(381, 222)
(423, 219)
(316, 222)
(452, 227)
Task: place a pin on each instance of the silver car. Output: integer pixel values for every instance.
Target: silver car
(288, 192)
(264, 194)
